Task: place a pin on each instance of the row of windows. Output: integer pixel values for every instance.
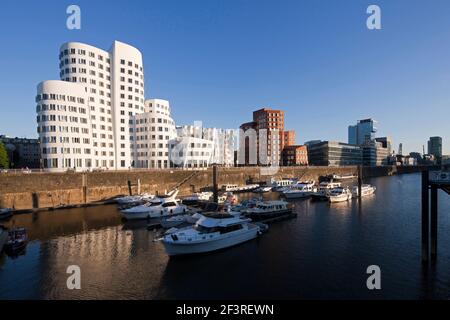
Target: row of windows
(153, 120)
(81, 61)
(130, 64)
(77, 163)
(82, 52)
(130, 81)
(58, 97)
(160, 137)
(153, 154)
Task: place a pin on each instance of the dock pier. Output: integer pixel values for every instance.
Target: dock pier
(432, 181)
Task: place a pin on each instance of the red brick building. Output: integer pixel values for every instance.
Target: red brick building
(295, 156)
(289, 138)
(272, 121)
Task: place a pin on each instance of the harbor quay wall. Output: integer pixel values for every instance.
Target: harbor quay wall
(24, 191)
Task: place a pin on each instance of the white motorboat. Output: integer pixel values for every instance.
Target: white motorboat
(280, 185)
(263, 189)
(228, 198)
(343, 176)
(324, 189)
(197, 197)
(128, 200)
(268, 209)
(236, 188)
(155, 208)
(366, 190)
(300, 190)
(211, 232)
(5, 213)
(339, 195)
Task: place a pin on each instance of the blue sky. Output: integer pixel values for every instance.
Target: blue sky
(217, 61)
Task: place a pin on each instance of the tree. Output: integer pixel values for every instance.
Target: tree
(4, 162)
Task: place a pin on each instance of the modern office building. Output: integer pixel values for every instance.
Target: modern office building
(435, 148)
(22, 152)
(294, 155)
(374, 154)
(150, 135)
(386, 142)
(84, 120)
(331, 153)
(363, 131)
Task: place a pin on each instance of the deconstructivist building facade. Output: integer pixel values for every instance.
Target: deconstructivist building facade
(96, 117)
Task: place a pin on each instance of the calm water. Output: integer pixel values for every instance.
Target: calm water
(323, 253)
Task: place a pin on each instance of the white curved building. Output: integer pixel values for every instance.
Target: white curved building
(152, 132)
(114, 87)
(63, 125)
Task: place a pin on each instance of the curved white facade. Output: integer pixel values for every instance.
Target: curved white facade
(63, 125)
(152, 132)
(114, 87)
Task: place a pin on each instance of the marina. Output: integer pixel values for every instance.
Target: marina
(325, 249)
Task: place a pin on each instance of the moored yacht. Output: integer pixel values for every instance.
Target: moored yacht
(211, 232)
(366, 190)
(268, 209)
(155, 208)
(300, 190)
(324, 189)
(279, 185)
(5, 213)
(343, 176)
(197, 197)
(263, 189)
(339, 195)
(178, 220)
(136, 199)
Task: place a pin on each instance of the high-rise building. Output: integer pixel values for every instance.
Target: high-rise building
(374, 154)
(270, 128)
(84, 120)
(151, 133)
(362, 132)
(263, 138)
(289, 138)
(435, 148)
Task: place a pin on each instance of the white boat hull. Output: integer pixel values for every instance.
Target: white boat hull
(340, 198)
(135, 216)
(183, 248)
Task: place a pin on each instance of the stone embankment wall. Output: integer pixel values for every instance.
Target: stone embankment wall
(49, 190)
